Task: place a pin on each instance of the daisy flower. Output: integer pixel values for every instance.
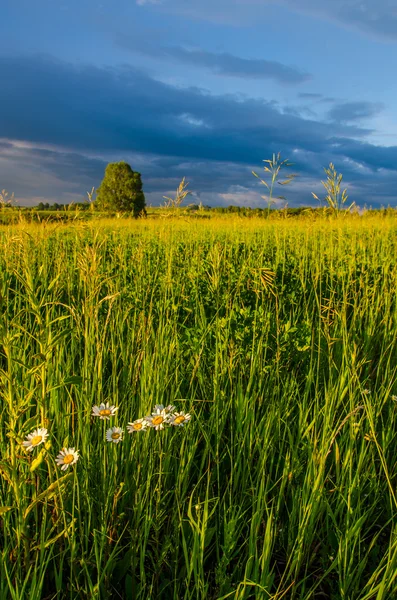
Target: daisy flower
(157, 421)
(104, 411)
(180, 419)
(67, 457)
(138, 425)
(160, 417)
(37, 437)
(114, 434)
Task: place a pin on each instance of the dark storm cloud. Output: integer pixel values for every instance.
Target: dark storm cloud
(373, 157)
(62, 164)
(49, 175)
(124, 109)
(96, 115)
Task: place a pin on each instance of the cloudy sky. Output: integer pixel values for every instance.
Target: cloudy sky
(202, 89)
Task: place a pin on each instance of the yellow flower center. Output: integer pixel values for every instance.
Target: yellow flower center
(158, 420)
(105, 412)
(179, 419)
(36, 440)
(69, 458)
(115, 436)
(137, 426)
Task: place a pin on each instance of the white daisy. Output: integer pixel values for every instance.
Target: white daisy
(138, 425)
(67, 457)
(104, 411)
(114, 434)
(180, 419)
(37, 437)
(160, 417)
(157, 421)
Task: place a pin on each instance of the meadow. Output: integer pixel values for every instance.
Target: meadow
(277, 336)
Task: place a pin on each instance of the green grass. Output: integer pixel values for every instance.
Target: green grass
(269, 332)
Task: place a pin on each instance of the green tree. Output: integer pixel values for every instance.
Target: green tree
(121, 190)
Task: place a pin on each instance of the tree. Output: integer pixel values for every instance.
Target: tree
(121, 190)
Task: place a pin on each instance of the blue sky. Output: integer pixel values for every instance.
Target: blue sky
(202, 89)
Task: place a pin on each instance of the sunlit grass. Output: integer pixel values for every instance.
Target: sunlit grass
(277, 336)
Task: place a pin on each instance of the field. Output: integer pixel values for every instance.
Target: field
(279, 337)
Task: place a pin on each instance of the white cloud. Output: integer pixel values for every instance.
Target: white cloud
(191, 120)
(357, 165)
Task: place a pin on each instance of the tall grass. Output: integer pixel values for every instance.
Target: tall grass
(278, 336)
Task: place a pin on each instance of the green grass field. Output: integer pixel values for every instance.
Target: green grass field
(279, 337)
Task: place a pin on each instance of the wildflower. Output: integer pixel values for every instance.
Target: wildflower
(114, 434)
(67, 457)
(138, 425)
(366, 391)
(394, 398)
(160, 417)
(157, 421)
(104, 411)
(37, 437)
(180, 419)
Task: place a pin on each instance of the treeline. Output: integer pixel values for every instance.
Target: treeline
(191, 208)
(66, 211)
(56, 206)
(245, 210)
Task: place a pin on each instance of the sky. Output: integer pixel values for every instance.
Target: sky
(201, 89)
